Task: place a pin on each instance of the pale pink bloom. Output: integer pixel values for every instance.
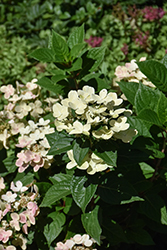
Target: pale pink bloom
(23, 218)
(36, 108)
(19, 187)
(15, 98)
(8, 90)
(2, 185)
(4, 235)
(61, 246)
(28, 96)
(24, 141)
(10, 106)
(22, 109)
(32, 206)
(121, 72)
(32, 85)
(9, 197)
(78, 239)
(69, 243)
(10, 248)
(7, 209)
(15, 221)
(15, 127)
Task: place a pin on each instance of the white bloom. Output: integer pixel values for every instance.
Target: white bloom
(9, 197)
(43, 122)
(60, 111)
(79, 128)
(86, 94)
(120, 124)
(97, 109)
(18, 188)
(74, 102)
(73, 163)
(103, 133)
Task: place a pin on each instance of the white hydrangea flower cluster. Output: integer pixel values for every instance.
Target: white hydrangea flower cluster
(131, 73)
(33, 139)
(18, 209)
(92, 163)
(83, 242)
(84, 111)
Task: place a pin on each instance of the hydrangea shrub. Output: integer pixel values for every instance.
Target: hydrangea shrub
(84, 166)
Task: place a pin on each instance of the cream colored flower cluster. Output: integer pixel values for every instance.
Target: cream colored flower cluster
(131, 73)
(33, 139)
(85, 112)
(92, 163)
(18, 209)
(77, 242)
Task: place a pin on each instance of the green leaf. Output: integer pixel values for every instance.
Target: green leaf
(110, 153)
(59, 143)
(91, 224)
(46, 83)
(9, 163)
(132, 199)
(81, 191)
(76, 49)
(142, 126)
(162, 109)
(59, 46)
(140, 236)
(44, 55)
(52, 230)
(149, 116)
(76, 65)
(152, 206)
(76, 37)
(59, 190)
(156, 73)
(59, 178)
(164, 61)
(146, 98)
(147, 170)
(115, 190)
(25, 178)
(96, 54)
(129, 89)
(164, 215)
(80, 150)
(58, 78)
(113, 231)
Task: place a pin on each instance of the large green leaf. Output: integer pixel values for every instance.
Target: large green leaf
(142, 126)
(129, 89)
(81, 191)
(156, 73)
(96, 54)
(146, 98)
(59, 46)
(59, 190)
(113, 231)
(91, 224)
(149, 116)
(59, 143)
(59, 178)
(162, 109)
(152, 206)
(115, 190)
(52, 230)
(106, 150)
(76, 50)
(46, 83)
(44, 55)
(140, 236)
(76, 37)
(80, 150)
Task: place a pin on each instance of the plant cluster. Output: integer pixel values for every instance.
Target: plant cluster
(96, 154)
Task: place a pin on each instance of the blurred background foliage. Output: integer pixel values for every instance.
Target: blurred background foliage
(119, 25)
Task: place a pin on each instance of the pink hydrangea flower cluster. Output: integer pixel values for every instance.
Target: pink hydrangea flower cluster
(33, 139)
(131, 73)
(85, 241)
(150, 13)
(18, 209)
(94, 41)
